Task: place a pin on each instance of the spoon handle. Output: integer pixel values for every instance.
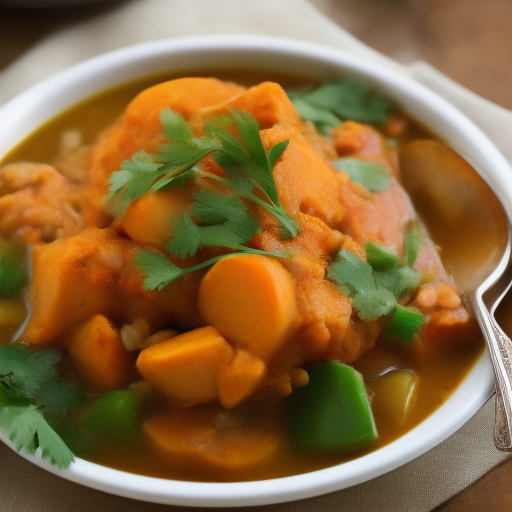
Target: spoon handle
(500, 350)
(503, 413)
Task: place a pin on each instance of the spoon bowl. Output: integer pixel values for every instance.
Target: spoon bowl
(469, 221)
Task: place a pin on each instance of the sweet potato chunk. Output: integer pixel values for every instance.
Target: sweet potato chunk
(141, 127)
(201, 440)
(94, 272)
(239, 378)
(250, 299)
(305, 182)
(151, 218)
(186, 366)
(267, 102)
(99, 355)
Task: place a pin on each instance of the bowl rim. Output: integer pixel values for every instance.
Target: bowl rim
(58, 92)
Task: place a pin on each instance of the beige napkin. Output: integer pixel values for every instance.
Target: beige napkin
(420, 485)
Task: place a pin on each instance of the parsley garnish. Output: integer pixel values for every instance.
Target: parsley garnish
(374, 293)
(337, 100)
(372, 175)
(30, 388)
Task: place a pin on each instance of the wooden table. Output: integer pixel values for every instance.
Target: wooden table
(468, 40)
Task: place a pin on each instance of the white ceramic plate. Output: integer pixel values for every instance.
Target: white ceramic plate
(22, 115)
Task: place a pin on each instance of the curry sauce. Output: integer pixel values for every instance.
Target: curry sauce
(213, 355)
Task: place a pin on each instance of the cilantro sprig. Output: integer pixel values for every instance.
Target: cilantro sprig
(337, 100)
(160, 271)
(30, 389)
(372, 175)
(376, 286)
(247, 164)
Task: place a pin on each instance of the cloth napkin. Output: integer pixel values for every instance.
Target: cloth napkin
(418, 486)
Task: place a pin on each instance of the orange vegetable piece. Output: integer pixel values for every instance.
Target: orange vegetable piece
(239, 378)
(93, 272)
(151, 218)
(267, 102)
(99, 355)
(199, 440)
(250, 299)
(186, 366)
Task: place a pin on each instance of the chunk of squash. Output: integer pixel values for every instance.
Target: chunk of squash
(239, 378)
(186, 367)
(250, 299)
(151, 218)
(99, 355)
(202, 441)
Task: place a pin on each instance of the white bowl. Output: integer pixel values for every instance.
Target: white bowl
(29, 110)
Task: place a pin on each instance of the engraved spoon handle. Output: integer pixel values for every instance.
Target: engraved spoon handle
(500, 350)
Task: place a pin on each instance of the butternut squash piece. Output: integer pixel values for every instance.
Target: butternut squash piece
(267, 102)
(239, 378)
(99, 355)
(185, 367)
(191, 440)
(68, 285)
(250, 299)
(151, 218)
(94, 272)
(141, 127)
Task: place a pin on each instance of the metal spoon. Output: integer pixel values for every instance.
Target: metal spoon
(466, 218)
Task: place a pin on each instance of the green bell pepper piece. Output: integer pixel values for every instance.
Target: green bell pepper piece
(332, 411)
(12, 274)
(114, 415)
(380, 257)
(405, 323)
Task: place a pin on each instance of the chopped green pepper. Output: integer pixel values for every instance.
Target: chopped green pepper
(332, 411)
(380, 257)
(12, 274)
(114, 415)
(405, 323)
(412, 243)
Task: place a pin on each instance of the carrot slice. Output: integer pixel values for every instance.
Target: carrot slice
(250, 299)
(185, 367)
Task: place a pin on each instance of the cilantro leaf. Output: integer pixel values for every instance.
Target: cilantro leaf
(30, 387)
(398, 279)
(374, 293)
(132, 181)
(212, 208)
(144, 171)
(374, 304)
(186, 238)
(352, 273)
(246, 162)
(225, 222)
(160, 271)
(32, 375)
(372, 175)
(341, 99)
(28, 429)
